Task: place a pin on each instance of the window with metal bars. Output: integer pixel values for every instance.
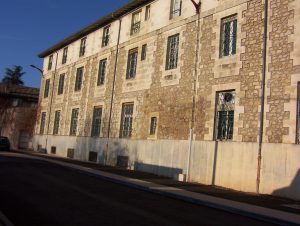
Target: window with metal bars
(105, 36)
(144, 52)
(132, 63)
(172, 52)
(74, 121)
(225, 104)
(101, 72)
(298, 115)
(47, 87)
(228, 36)
(65, 55)
(78, 79)
(126, 120)
(175, 8)
(82, 47)
(153, 125)
(50, 62)
(42, 124)
(136, 23)
(61, 84)
(56, 123)
(96, 124)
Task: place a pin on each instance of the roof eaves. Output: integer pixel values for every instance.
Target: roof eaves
(96, 25)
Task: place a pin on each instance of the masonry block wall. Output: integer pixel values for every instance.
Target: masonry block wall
(168, 94)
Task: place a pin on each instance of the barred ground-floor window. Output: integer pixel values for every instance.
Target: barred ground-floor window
(74, 121)
(225, 104)
(96, 125)
(42, 124)
(126, 120)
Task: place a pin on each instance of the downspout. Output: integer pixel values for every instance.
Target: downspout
(112, 94)
(51, 100)
(192, 125)
(262, 100)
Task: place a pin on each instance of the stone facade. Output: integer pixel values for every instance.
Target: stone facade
(168, 94)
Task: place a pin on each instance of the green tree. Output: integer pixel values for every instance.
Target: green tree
(13, 76)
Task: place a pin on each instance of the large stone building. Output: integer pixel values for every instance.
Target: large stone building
(156, 87)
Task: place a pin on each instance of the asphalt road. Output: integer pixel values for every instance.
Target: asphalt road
(38, 193)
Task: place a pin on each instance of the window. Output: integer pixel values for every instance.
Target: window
(56, 123)
(65, 55)
(147, 12)
(70, 153)
(132, 63)
(78, 79)
(96, 125)
(61, 84)
(82, 47)
(74, 120)
(153, 125)
(144, 52)
(43, 121)
(225, 103)
(93, 156)
(136, 23)
(105, 37)
(50, 62)
(298, 115)
(126, 120)
(228, 36)
(47, 87)
(175, 8)
(101, 72)
(172, 52)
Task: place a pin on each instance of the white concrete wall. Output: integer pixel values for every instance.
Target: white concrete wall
(229, 164)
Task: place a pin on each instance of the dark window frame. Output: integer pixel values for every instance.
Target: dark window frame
(224, 115)
(50, 62)
(126, 120)
(43, 123)
(147, 12)
(61, 84)
(172, 52)
(65, 55)
(144, 52)
(47, 88)
(175, 12)
(102, 72)
(132, 63)
(56, 125)
(153, 126)
(97, 121)
(74, 121)
(228, 36)
(82, 48)
(79, 79)
(106, 36)
(135, 25)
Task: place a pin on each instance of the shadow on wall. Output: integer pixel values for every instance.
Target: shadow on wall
(291, 191)
(158, 170)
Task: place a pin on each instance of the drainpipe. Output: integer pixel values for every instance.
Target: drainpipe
(51, 100)
(262, 99)
(112, 94)
(198, 7)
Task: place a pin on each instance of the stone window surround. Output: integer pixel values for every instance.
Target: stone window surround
(70, 120)
(233, 62)
(60, 121)
(119, 115)
(100, 104)
(150, 115)
(100, 90)
(76, 95)
(122, 120)
(174, 74)
(210, 124)
(101, 119)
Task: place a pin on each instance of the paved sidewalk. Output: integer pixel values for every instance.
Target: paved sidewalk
(269, 208)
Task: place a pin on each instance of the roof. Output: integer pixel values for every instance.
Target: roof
(19, 91)
(96, 25)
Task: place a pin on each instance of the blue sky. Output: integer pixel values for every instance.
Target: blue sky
(28, 27)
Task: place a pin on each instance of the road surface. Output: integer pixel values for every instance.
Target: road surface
(38, 193)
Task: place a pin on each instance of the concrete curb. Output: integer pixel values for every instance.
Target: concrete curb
(252, 211)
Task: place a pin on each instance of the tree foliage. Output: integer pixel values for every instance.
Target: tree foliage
(13, 76)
